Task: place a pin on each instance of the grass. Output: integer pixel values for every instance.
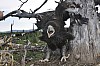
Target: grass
(33, 37)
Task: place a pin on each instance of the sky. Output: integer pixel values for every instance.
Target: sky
(23, 23)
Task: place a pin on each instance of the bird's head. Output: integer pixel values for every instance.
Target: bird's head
(50, 31)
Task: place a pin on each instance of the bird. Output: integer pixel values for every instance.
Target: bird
(56, 37)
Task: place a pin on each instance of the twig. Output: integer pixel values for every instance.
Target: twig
(21, 13)
(21, 1)
(40, 6)
(22, 4)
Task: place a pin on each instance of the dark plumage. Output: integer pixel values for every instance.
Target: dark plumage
(43, 18)
(56, 40)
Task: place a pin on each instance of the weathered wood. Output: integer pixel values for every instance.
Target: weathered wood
(86, 43)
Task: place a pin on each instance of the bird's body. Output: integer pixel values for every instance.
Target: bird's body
(57, 41)
(56, 37)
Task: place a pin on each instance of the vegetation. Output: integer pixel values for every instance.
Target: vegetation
(34, 39)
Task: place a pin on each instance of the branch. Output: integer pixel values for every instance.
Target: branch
(9, 14)
(21, 1)
(22, 4)
(23, 14)
(18, 13)
(40, 6)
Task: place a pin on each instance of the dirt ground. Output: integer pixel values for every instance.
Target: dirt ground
(58, 63)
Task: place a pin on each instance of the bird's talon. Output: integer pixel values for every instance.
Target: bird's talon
(64, 58)
(45, 60)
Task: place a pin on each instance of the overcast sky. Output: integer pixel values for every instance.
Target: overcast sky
(22, 24)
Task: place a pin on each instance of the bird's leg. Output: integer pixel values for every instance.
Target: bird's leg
(64, 57)
(47, 55)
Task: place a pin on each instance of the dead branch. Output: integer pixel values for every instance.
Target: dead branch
(21, 13)
(18, 13)
(9, 14)
(40, 6)
(22, 4)
(30, 9)
(6, 58)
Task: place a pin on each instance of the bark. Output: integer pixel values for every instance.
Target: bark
(24, 57)
(85, 46)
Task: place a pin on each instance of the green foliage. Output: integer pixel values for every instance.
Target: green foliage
(35, 55)
(17, 57)
(34, 39)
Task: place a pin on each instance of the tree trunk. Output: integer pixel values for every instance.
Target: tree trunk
(85, 46)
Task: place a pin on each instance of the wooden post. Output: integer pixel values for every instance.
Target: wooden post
(33, 26)
(11, 26)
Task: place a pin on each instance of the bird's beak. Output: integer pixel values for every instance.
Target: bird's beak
(50, 34)
(50, 31)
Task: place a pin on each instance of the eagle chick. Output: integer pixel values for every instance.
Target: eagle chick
(56, 38)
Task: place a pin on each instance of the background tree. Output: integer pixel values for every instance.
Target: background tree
(86, 46)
